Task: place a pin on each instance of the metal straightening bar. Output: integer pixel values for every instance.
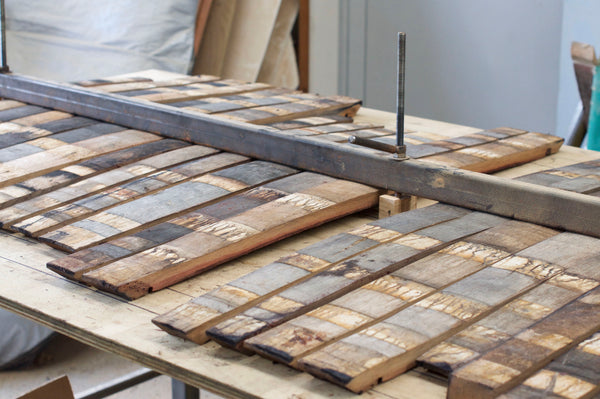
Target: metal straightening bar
(551, 207)
(3, 64)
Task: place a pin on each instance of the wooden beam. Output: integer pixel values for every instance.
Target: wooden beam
(527, 202)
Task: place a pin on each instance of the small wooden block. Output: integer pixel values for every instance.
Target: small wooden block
(391, 205)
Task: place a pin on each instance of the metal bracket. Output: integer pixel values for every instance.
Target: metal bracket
(399, 150)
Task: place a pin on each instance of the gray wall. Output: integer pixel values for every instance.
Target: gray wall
(482, 63)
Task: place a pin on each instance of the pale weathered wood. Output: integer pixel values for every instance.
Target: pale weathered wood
(225, 238)
(574, 375)
(278, 43)
(582, 177)
(34, 158)
(212, 51)
(166, 204)
(387, 295)
(391, 205)
(287, 71)
(251, 30)
(202, 14)
(99, 182)
(345, 277)
(56, 179)
(192, 319)
(392, 346)
(299, 123)
(117, 195)
(155, 83)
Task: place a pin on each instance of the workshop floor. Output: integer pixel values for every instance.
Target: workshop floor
(86, 368)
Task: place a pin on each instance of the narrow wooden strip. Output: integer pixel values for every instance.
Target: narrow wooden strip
(310, 122)
(98, 182)
(582, 177)
(387, 295)
(191, 320)
(493, 156)
(151, 84)
(12, 133)
(345, 106)
(214, 105)
(117, 195)
(8, 104)
(103, 82)
(390, 347)
(507, 322)
(22, 111)
(349, 275)
(37, 186)
(50, 154)
(194, 91)
(574, 375)
(514, 361)
(166, 204)
(228, 238)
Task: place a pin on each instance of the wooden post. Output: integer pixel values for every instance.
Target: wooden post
(393, 204)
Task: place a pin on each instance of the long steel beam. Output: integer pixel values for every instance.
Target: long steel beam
(528, 202)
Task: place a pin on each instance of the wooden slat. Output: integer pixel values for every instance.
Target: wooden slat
(574, 375)
(514, 361)
(166, 204)
(8, 104)
(233, 228)
(524, 311)
(582, 177)
(117, 195)
(21, 111)
(201, 18)
(213, 105)
(182, 80)
(389, 294)
(37, 186)
(103, 82)
(392, 346)
(99, 182)
(194, 91)
(191, 320)
(36, 157)
(345, 277)
(299, 123)
(12, 133)
(341, 105)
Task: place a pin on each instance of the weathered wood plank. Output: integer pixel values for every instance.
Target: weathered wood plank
(353, 273)
(22, 111)
(103, 82)
(34, 158)
(84, 208)
(194, 91)
(8, 104)
(345, 106)
(213, 105)
(37, 186)
(575, 253)
(390, 347)
(182, 80)
(574, 375)
(230, 237)
(191, 320)
(12, 133)
(514, 361)
(166, 204)
(582, 177)
(299, 123)
(98, 182)
(387, 295)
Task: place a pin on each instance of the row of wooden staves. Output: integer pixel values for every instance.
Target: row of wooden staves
(134, 207)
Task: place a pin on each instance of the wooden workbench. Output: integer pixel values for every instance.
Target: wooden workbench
(124, 328)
